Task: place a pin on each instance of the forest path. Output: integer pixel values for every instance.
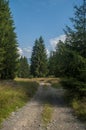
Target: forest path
(30, 116)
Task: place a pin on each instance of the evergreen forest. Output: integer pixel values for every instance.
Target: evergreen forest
(68, 61)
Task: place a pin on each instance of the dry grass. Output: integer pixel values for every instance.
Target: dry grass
(14, 94)
(44, 80)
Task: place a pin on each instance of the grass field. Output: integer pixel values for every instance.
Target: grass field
(14, 94)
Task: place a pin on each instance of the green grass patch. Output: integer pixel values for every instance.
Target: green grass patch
(56, 85)
(80, 108)
(14, 94)
(53, 80)
(75, 96)
(47, 114)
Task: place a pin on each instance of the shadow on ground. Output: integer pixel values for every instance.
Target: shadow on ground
(48, 95)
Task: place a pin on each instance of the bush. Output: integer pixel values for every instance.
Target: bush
(76, 96)
(74, 86)
(80, 108)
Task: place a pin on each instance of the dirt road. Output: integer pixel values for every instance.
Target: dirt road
(30, 116)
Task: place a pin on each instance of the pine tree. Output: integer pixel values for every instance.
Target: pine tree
(8, 42)
(76, 43)
(70, 56)
(23, 69)
(39, 59)
(76, 38)
(74, 53)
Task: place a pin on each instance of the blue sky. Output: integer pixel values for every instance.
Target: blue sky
(46, 18)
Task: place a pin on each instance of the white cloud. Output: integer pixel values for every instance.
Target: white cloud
(25, 51)
(48, 52)
(55, 40)
(20, 51)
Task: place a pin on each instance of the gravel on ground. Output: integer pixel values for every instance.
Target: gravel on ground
(29, 117)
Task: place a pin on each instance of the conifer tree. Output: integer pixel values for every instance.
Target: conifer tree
(76, 43)
(70, 59)
(52, 63)
(39, 59)
(8, 42)
(23, 68)
(70, 56)
(76, 37)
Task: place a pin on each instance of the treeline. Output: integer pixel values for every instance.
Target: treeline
(69, 58)
(38, 66)
(8, 43)
(11, 63)
(23, 70)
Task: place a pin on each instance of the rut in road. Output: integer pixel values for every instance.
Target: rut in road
(30, 116)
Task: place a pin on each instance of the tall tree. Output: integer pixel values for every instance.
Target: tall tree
(76, 37)
(8, 42)
(70, 56)
(76, 42)
(39, 59)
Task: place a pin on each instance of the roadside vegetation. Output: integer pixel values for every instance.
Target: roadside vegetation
(47, 114)
(68, 61)
(75, 96)
(14, 94)
(78, 105)
(56, 83)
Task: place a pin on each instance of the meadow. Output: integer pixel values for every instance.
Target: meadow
(14, 94)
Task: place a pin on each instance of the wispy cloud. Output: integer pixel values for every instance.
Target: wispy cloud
(25, 51)
(48, 52)
(20, 51)
(55, 40)
(28, 51)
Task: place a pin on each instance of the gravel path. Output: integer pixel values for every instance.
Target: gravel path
(63, 117)
(29, 117)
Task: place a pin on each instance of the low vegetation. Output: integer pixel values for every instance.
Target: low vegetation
(55, 82)
(78, 105)
(14, 94)
(80, 108)
(76, 96)
(47, 114)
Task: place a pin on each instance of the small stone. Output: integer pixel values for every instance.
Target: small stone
(23, 125)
